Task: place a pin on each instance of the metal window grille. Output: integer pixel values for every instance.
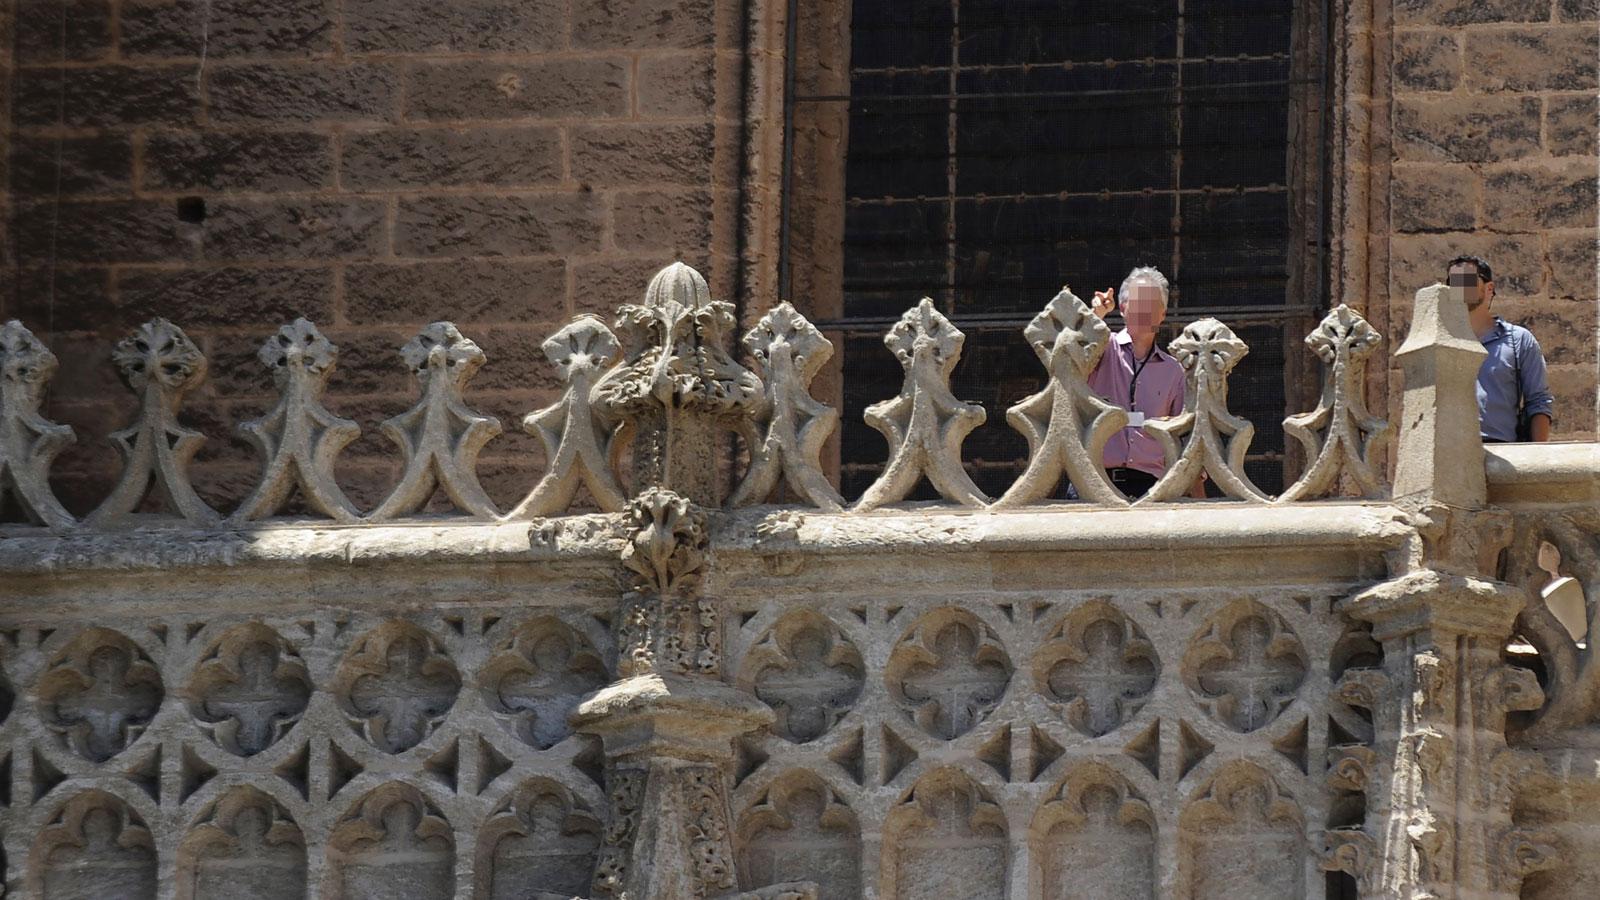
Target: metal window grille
(999, 149)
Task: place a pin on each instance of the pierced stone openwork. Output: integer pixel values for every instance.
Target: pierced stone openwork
(542, 840)
(395, 843)
(96, 848)
(947, 840)
(1098, 670)
(246, 845)
(800, 830)
(1095, 839)
(100, 693)
(397, 685)
(949, 672)
(538, 675)
(249, 689)
(1246, 666)
(1245, 837)
(808, 671)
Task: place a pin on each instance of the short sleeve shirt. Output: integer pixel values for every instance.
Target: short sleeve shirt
(1157, 391)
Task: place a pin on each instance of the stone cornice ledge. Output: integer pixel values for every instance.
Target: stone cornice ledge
(750, 532)
(1542, 473)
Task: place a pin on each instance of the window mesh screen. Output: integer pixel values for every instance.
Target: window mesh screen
(999, 149)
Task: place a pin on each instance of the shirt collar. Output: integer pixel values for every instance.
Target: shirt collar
(1123, 338)
(1498, 331)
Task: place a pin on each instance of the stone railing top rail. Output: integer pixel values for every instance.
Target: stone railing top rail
(661, 382)
(1156, 536)
(1542, 473)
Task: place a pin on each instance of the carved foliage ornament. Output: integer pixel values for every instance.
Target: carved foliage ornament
(926, 424)
(1340, 436)
(160, 364)
(299, 439)
(625, 791)
(440, 436)
(666, 624)
(1066, 424)
(575, 432)
(28, 441)
(1217, 440)
(673, 354)
(792, 425)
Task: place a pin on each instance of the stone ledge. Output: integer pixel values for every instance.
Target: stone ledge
(1198, 527)
(1522, 474)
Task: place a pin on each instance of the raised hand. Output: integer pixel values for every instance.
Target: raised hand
(1104, 302)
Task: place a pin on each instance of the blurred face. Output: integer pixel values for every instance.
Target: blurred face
(1464, 277)
(1143, 310)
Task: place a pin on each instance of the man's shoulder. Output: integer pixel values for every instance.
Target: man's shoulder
(1518, 335)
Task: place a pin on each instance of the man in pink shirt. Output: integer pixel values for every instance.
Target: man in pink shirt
(1140, 377)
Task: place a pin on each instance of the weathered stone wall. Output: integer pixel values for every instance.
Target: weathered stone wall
(1496, 113)
(369, 165)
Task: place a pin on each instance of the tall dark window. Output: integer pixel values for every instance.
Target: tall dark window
(998, 149)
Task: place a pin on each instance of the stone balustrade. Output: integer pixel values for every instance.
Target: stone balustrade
(676, 343)
(698, 693)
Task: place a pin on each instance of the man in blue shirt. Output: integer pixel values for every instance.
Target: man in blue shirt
(1511, 383)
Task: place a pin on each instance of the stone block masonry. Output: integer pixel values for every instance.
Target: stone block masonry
(1496, 113)
(368, 164)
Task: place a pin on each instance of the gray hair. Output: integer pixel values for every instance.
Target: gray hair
(1144, 275)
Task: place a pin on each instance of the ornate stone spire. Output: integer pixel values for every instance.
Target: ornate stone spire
(926, 424)
(440, 436)
(677, 384)
(1066, 424)
(791, 351)
(576, 437)
(299, 439)
(1340, 436)
(28, 441)
(1217, 439)
(160, 364)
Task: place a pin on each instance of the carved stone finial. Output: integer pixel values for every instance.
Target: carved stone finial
(299, 438)
(666, 625)
(1218, 440)
(677, 384)
(577, 440)
(1441, 447)
(440, 436)
(28, 441)
(1066, 424)
(791, 351)
(1350, 437)
(160, 364)
(926, 424)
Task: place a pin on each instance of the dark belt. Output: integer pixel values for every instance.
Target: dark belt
(1120, 475)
